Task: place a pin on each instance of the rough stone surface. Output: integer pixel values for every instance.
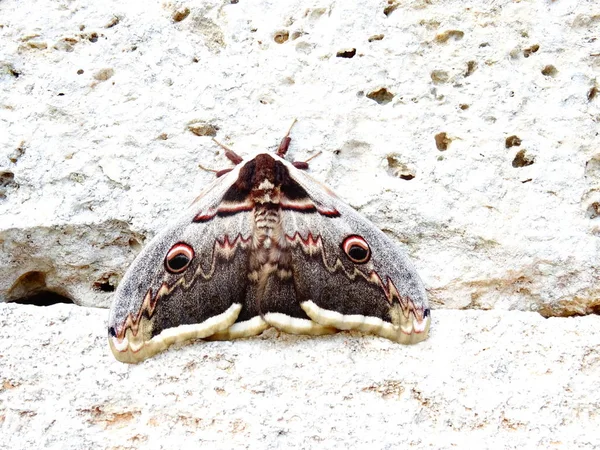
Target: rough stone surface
(484, 379)
(97, 152)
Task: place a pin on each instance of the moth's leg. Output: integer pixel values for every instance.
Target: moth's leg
(229, 154)
(285, 142)
(218, 173)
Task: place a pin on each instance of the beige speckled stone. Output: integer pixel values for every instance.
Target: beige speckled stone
(94, 131)
(484, 379)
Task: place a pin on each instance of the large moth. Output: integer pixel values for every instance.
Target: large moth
(266, 245)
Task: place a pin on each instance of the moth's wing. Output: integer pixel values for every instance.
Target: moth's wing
(154, 308)
(383, 295)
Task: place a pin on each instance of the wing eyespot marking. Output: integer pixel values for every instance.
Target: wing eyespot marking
(356, 249)
(179, 258)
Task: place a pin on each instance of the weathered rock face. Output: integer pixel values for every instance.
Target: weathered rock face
(482, 378)
(467, 131)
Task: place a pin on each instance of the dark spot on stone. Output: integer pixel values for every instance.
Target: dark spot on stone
(522, 159)
(426, 312)
(512, 141)
(593, 210)
(348, 53)
(442, 141)
(80, 72)
(442, 38)
(376, 37)
(93, 37)
(203, 129)
(439, 76)
(591, 95)
(112, 22)
(14, 157)
(281, 36)
(112, 332)
(381, 96)
(60, 94)
(391, 7)
(7, 182)
(528, 51)
(471, 67)
(180, 14)
(549, 71)
(464, 106)
(398, 169)
(104, 287)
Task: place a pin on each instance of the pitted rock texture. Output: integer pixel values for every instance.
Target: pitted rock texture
(484, 379)
(107, 108)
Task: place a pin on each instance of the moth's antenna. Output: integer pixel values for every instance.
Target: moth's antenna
(285, 142)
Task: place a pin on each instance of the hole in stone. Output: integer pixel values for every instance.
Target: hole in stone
(7, 183)
(442, 141)
(457, 35)
(203, 129)
(528, 51)
(43, 298)
(93, 37)
(522, 159)
(549, 71)
(381, 96)
(135, 244)
(15, 155)
(464, 106)
(591, 95)
(390, 8)
(281, 36)
(112, 22)
(398, 169)
(80, 72)
(347, 53)
(9, 70)
(512, 141)
(471, 67)
(439, 76)
(30, 289)
(180, 14)
(6, 179)
(592, 168)
(376, 37)
(593, 210)
(105, 284)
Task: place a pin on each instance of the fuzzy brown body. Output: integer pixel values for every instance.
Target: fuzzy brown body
(266, 245)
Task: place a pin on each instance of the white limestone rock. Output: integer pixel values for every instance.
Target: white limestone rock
(411, 103)
(484, 379)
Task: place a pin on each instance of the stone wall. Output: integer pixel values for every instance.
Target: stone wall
(466, 130)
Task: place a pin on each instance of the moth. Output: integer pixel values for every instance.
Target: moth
(265, 245)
